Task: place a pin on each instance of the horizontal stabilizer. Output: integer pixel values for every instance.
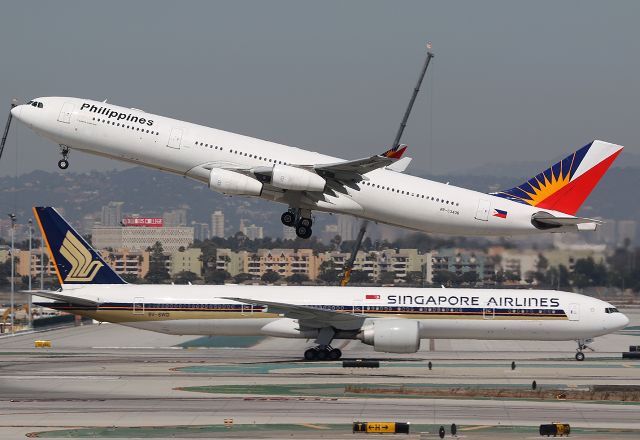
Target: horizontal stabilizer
(59, 297)
(545, 220)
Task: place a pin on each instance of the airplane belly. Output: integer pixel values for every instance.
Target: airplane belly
(205, 327)
(503, 329)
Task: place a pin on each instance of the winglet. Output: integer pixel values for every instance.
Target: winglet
(395, 152)
(76, 262)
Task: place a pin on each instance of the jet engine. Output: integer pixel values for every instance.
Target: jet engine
(392, 335)
(288, 177)
(230, 182)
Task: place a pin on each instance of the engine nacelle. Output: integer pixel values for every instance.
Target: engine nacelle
(230, 182)
(392, 335)
(287, 177)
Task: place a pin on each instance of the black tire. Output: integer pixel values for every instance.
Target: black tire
(63, 164)
(287, 219)
(303, 232)
(322, 355)
(580, 356)
(306, 222)
(311, 354)
(335, 354)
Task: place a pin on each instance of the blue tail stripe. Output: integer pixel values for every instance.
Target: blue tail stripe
(76, 261)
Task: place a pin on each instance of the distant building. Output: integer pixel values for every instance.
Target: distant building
(201, 231)
(175, 217)
(460, 261)
(627, 231)
(288, 233)
(22, 266)
(141, 238)
(232, 262)
(252, 232)
(127, 262)
(111, 215)
(399, 261)
(347, 227)
(217, 224)
(187, 260)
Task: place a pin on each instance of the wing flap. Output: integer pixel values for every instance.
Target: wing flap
(310, 316)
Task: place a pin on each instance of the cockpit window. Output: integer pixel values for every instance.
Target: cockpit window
(36, 104)
(40, 105)
(611, 310)
(29, 103)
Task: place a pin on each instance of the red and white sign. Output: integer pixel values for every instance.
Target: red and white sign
(372, 297)
(153, 222)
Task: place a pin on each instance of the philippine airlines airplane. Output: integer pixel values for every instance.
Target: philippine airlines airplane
(390, 319)
(373, 188)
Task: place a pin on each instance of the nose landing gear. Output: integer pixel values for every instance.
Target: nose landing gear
(582, 344)
(63, 163)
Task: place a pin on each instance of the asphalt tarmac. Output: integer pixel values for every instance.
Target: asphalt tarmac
(104, 381)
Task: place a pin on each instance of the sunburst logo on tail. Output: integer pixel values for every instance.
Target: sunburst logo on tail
(83, 268)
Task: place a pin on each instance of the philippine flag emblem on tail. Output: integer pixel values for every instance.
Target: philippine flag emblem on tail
(499, 213)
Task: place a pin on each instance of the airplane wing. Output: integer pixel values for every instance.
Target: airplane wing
(352, 170)
(59, 297)
(310, 316)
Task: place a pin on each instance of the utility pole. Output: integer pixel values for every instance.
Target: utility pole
(42, 262)
(30, 273)
(12, 307)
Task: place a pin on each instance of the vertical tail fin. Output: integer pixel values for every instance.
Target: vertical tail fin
(566, 185)
(76, 262)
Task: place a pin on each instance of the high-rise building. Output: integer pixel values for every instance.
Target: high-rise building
(217, 224)
(111, 214)
(347, 227)
(141, 238)
(175, 217)
(253, 232)
(288, 233)
(627, 231)
(201, 231)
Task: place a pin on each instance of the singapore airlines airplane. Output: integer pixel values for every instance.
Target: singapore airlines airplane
(373, 188)
(392, 320)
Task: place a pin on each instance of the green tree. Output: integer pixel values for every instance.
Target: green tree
(185, 277)
(470, 277)
(130, 278)
(444, 277)
(242, 277)
(359, 277)
(158, 272)
(297, 278)
(216, 276)
(386, 277)
(270, 277)
(328, 272)
(414, 278)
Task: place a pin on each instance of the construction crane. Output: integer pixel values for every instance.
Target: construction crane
(348, 266)
(14, 103)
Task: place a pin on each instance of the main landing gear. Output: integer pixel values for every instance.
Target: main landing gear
(323, 351)
(582, 344)
(63, 163)
(300, 219)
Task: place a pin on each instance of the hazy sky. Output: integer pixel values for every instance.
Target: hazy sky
(511, 81)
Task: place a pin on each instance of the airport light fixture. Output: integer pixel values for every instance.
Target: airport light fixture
(30, 274)
(12, 307)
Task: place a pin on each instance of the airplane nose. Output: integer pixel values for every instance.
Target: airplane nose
(15, 112)
(624, 320)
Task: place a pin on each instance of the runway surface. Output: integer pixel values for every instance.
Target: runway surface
(112, 376)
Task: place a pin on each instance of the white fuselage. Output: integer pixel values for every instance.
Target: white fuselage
(441, 313)
(193, 150)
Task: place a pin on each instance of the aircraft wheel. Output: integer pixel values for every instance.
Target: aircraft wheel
(63, 164)
(288, 219)
(303, 232)
(335, 354)
(322, 354)
(311, 354)
(306, 222)
(579, 356)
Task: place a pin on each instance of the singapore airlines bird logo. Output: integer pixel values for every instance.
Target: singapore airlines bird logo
(83, 268)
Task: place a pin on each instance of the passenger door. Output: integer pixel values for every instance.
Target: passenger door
(484, 206)
(65, 113)
(138, 305)
(175, 139)
(574, 312)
